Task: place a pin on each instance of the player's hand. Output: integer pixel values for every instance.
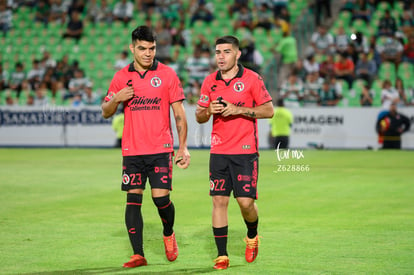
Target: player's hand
(230, 109)
(125, 94)
(182, 159)
(215, 107)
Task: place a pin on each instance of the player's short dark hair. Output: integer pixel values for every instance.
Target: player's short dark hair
(144, 33)
(228, 39)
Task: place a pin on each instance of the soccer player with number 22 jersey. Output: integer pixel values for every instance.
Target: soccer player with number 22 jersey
(236, 97)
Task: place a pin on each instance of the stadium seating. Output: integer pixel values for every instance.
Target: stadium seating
(101, 43)
(386, 70)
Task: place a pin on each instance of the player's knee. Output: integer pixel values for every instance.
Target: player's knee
(161, 202)
(220, 202)
(134, 198)
(246, 204)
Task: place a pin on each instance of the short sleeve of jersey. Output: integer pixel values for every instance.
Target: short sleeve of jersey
(114, 87)
(204, 100)
(260, 93)
(176, 88)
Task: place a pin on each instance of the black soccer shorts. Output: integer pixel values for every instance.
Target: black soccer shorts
(136, 170)
(237, 173)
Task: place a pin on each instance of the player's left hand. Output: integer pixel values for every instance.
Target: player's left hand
(182, 158)
(230, 109)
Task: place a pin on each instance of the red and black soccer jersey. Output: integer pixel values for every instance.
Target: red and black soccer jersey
(147, 125)
(234, 134)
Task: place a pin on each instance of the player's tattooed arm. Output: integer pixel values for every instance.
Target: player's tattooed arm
(182, 158)
(250, 114)
(178, 121)
(181, 122)
(179, 127)
(262, 111)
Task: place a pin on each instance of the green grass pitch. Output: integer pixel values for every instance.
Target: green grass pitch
(352, 212)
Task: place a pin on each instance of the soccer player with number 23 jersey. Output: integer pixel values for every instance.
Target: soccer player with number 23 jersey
(147, 89)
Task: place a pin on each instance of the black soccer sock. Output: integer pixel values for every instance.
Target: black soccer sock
(220, 236)
(252, 228)
(166, 211)
(134, 222)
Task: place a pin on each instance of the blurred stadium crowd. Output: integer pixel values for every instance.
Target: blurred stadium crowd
(65, 52)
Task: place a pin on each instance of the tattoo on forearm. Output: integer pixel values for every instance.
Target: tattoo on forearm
(179, 128)
(178, 118)
(250, 114)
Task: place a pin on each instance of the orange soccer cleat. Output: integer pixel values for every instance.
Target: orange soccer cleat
(171, 247)
(136, 260)
(222, 262)
(252, 248)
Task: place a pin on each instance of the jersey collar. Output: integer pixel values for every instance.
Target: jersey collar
(238, 75)
(152, 68)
